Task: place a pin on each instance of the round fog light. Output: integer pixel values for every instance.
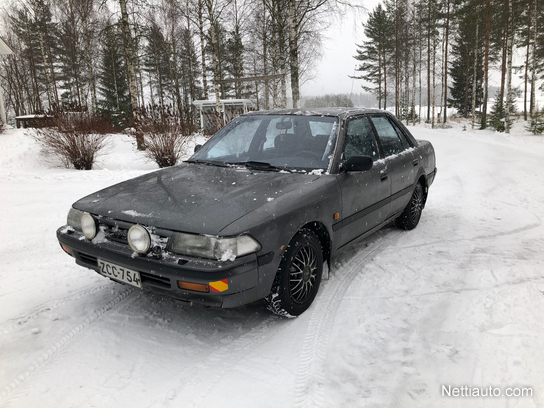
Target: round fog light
(88, 226)
(139, 239)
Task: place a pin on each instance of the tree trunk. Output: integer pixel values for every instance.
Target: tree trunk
(275, 47)
(446, 62)
(129, 57)
(429, 64)
(265, 60)
(475, 75)
(532, 107)
(48, 80)
(90, 68)
(293, 54)
(175, 60)
(384, 84)
(202, 49)
(509, 50)
(414, 71)
(486, 63)
(215, 61)
(527, 51)
(434, 81)
(503, 64)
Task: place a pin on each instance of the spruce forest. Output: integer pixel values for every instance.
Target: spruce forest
(422, 57)
(129, 58)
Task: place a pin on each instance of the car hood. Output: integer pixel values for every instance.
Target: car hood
(191, 197)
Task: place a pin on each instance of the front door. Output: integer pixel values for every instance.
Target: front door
(365, 194)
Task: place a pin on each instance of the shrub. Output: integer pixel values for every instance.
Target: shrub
(74, 138)
(497, 117)
(536, 126)
(165, 135)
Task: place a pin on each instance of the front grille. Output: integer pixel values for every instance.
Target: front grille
(155, 280)
(116, 234)
(88, 259)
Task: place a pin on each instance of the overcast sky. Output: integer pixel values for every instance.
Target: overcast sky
(337, 63)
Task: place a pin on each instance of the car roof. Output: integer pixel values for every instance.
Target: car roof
(340, 112)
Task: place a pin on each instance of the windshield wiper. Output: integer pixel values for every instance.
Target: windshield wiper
(257, 165)
(208, 162)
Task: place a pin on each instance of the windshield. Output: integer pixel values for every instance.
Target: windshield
(281, 141)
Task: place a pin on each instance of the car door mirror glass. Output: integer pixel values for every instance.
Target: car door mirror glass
(357, 163)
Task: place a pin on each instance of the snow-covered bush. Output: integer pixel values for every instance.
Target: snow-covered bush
(165, 137)
(74, 139)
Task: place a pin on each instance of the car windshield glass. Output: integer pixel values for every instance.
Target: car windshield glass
(275, 141)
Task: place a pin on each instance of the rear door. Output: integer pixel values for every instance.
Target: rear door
(365, 194)
(399, 159)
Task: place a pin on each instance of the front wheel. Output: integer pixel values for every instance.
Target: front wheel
(410, 216)
(298, 277)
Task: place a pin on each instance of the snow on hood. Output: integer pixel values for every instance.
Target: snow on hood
(191, 197)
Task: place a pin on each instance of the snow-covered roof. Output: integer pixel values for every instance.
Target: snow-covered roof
(31, 117)
(223, 102)
(4, 48)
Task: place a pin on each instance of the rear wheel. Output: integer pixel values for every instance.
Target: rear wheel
(298, 277)
(410, 216)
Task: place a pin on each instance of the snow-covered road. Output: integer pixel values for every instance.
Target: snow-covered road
(459, 301)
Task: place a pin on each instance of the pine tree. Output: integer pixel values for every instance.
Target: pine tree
(462, 64)
(157, 63)
(234, 59)
(113, 81)
(374, 54)
(497, 117)
(536, 126)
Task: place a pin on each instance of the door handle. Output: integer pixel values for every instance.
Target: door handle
(383, 176)
(415, 162)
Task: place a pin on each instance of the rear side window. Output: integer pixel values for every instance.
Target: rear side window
(403, 139)
(360, 140)
(389, 139)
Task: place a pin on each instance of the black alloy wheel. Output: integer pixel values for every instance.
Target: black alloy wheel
(411, 214)
(299, 276)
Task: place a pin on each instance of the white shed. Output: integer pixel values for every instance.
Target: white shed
(230, 109)
(4, 50)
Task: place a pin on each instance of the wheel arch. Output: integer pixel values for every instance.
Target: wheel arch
(423, 181)
(322, 233)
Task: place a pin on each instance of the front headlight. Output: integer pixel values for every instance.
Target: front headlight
(74, 219)
(89, 226)
(221, 249)
(139, 239)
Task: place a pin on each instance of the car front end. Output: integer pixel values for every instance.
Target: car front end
(215, 271)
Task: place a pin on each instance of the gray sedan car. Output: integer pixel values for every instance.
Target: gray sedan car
(258, 210)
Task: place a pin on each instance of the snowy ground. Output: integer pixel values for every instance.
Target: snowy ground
(459, 301)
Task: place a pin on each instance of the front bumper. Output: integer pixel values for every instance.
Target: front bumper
(244, 275)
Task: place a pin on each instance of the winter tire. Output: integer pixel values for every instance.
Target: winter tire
(298, 277)
(410, 216)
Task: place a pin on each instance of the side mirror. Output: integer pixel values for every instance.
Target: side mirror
(197, 148)
(357, 163)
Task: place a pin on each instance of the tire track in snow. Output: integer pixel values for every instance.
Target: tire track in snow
(208, 372)
(311, 376)
(17, 322)
(21, 379)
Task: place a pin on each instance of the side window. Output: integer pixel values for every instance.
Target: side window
(389, 138)
(360, 140)
(403, 138)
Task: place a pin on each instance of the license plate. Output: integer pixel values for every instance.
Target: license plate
(120, 273)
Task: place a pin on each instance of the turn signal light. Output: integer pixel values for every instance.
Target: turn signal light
(196, 287)
(66, 249)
